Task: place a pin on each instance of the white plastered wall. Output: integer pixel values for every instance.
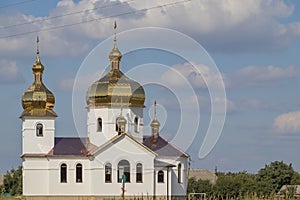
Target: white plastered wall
(109, 116)
(33, 144)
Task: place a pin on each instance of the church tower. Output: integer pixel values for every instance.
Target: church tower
(108, 96)
(38, 117)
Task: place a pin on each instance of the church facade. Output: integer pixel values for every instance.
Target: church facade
(115, 160)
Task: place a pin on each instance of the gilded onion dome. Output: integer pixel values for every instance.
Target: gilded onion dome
(114, 86)
(155, 123)
(38, 100)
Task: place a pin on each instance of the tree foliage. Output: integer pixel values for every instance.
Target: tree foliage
(199, 186)
(276, 174)
(242, 185)
(12, 182)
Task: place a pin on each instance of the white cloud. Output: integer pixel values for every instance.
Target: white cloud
(254, 104)
(267, 73)
(204, 103)
(198, 75)
(256, 76)
(9, 72)
(66, 84)
(202, 76)
(230, 25)
(81, 83)
(220, 102)
(287, 122)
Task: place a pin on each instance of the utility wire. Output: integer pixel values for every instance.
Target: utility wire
(64, 15)
(95, 19)
(15, 4)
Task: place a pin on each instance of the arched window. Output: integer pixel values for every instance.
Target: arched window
(139, 173)
(123, 169)
(63, 173)
(108, 173)
(179, 173)
(99, 124)
(136, 124)
(39, 129)
(79, 173)
(160, 176)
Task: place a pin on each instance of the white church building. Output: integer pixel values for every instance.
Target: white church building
(114, 161)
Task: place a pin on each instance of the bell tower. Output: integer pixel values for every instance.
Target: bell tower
(38, 117)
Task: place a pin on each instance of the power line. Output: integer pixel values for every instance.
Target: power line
(16, 3)
(64, 15)
(96, 19)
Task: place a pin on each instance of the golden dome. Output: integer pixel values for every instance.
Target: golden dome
(155, 123)
(38, 100)
(114, 88)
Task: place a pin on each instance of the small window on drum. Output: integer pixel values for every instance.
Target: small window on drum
(39, 130)
(99, 124)
(136, 124)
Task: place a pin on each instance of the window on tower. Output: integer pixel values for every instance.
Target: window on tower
(63, 173)
(99, 124)
(136, 124)
(139, 173)
(108, 173)
(79, 173)
(160, 176)
(123, 171)
(39, 129)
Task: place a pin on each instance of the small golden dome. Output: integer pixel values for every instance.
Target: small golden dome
(155, 123)
(38, 100)
(121, 121)
(114, 88)
(115, 54)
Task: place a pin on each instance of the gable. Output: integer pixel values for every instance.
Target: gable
(123, 144)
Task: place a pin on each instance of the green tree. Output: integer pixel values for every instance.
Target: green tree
(276, 174)
(247, 183)
(295, 179)
(199, 186)
(226, 187)
(12, 182)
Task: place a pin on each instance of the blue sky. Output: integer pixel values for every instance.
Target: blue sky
(254, 44)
